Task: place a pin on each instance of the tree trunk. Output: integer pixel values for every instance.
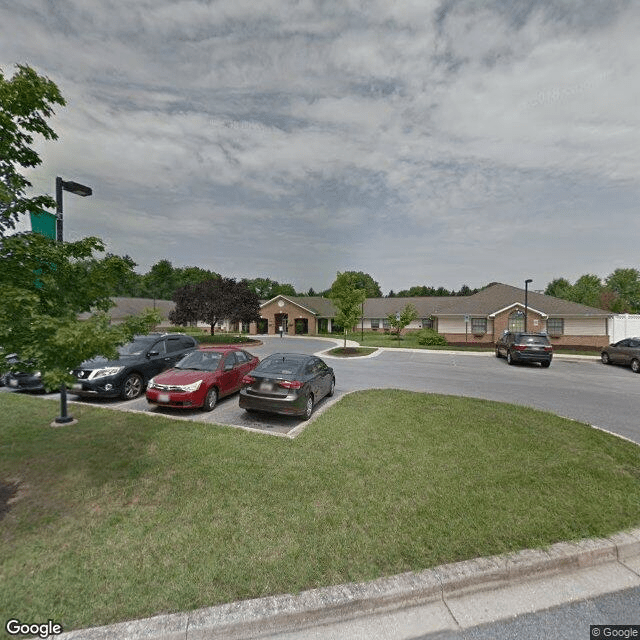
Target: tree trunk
(212, 329)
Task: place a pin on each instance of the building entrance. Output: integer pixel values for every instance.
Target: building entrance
(282, 320)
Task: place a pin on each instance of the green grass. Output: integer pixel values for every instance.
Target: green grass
(125, 515)
(349, 352)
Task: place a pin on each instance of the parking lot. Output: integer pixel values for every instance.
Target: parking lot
(573, 387)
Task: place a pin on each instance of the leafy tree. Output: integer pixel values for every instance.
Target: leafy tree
(44, 286)
(587, 290)
(400, 320)
(26, 101)
(348, 298)
(624, 284)
(214, 300)
(559, 288)
(265, 288)
(364, 281)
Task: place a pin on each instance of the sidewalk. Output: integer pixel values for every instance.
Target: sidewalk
(449, 597)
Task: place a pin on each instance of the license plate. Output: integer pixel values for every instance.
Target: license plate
(163, 397)
(76, 387)
(13, 383)
(266, 386)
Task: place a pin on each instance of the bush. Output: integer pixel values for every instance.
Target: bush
(429, 337)
(223, 338)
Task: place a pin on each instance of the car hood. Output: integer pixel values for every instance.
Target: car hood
(182, 376)
(101, 363)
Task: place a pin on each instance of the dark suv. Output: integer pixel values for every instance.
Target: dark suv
(525, 347)
(139, 361)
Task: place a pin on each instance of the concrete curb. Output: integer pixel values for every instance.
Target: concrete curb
(282, 613)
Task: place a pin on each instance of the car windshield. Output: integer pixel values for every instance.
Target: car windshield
(136, 347)
(200, 361)
(280, 365)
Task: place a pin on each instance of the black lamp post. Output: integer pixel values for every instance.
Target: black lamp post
(79, 190)
(72, 187)
(526, 305)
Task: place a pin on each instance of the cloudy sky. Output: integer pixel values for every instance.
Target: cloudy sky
(424, 142)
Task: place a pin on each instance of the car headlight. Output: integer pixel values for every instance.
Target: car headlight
(189, 387)
(103, 373)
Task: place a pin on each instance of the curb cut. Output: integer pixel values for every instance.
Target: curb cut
(282, 613)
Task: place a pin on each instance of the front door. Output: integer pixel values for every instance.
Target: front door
(282, 320)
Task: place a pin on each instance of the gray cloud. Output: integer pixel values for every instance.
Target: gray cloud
(417, 141)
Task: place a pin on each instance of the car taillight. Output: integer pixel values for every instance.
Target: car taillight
(248, 380)
(519, 347)
(548, 348)
(290, 384)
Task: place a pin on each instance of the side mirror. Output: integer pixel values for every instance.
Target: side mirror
(228, 367)
(151, 354)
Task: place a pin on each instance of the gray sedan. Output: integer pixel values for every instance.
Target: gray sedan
(626, 352)
(287, 383)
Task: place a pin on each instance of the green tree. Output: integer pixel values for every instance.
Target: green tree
(348, 298)
(364, 281)
(44, 286)
(624, 284)
(26, 101)
(559, 288)
(402, 319)
(587, 290)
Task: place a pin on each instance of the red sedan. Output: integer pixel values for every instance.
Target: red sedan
(200, 378)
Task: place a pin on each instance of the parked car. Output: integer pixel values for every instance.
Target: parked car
(201, 378)
(138, 361)
(21, 380)
(287, 383)
(525, 347)
(626, 352)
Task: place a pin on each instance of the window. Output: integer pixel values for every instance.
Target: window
(375, 323)
(555, 326)
(516, 322)
(385, 323)
(478, 326)
(427, 323)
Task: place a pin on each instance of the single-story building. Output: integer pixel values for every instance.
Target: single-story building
(479, 318)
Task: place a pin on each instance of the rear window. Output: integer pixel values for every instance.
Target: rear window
(280, 365)
(533, 340)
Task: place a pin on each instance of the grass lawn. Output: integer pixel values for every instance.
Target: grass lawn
(123, 516)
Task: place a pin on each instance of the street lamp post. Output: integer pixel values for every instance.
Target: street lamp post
(79, 190)
(526, 302)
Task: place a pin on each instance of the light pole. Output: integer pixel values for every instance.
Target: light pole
(526, 301)
(72, 187)
(79, 190)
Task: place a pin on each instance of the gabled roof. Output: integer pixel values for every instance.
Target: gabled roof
(318, 305)
(125, 307)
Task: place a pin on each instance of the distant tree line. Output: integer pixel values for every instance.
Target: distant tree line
(619, 292)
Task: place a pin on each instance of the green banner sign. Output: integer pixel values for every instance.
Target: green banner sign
(44, 222)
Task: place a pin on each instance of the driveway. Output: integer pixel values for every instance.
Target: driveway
(577, 388)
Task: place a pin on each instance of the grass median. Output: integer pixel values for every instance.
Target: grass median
(125, 515)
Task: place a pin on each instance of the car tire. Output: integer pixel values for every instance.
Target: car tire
(604, 356)
(546, 364)
(509, 358)
(132, 387)
(331, 388)
(308, 408)
(211, 399)
(497, 352)
(635, 365)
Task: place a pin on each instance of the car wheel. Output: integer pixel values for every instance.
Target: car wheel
(308, 409)
(605, 358)
(132, 387)
(635, 366)
(332, 387)
(546, 364)
(497, 352)
(509, 358)
(211, 399)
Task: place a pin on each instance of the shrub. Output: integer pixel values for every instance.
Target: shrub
(429, 337)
